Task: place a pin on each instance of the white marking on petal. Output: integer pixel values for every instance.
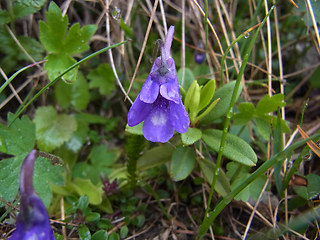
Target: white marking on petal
(159, 119)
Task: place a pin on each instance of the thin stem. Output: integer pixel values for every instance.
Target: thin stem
(261, 170)
(232, 103)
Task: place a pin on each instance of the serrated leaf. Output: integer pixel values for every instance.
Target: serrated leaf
(44, 174)
(84, 232)
(188, 78)
(77, 38)
(19, 138)
(206, 94)
(61, 44)
(22, 8)
(270, 104)
(246, 112)
(154, 157)
(182, 163)
(102, 77)
(225, 94)
(57, 63)
(235, 148)
(53, 31)
(63, 94)
(191, 136)
(222, 185)
(52, 130)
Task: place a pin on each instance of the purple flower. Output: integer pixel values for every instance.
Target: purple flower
(33, 220)
(159, 103)
(199, 56)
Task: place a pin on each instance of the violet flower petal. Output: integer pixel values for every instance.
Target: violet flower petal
(157, 126)
(149, 91)
(138, 112)
(33, 220)
(170, 91)
(179, 117)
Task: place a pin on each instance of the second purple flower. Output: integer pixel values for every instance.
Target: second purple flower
(159, 103)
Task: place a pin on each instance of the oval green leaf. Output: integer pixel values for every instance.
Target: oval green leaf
(235, 148)
(206, 94)
(191, 136)
(182, 163)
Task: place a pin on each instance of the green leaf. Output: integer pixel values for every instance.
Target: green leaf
(100, 235)
(188, 78)
(126, 29)
(124, 231)
(86, 187)
(77, 38)
(239, 173)
(80, 93)
(189, 95)
(270, 104)
(90, 118)
(191, 136)
(92, 217)
(44, 174)
(312, 190)
(102, 77)
(53, 31)
(77, 94)
(57, 63)
(225, 94)
(264, 127)
(52, 130)
(206, 94)
(104, 157)
(83, 203)
(84, 232)
(137, 130)
(22, 8)
(303, 9)
(194, 102)
(61, 44)
(222, 185)
(246, 112)
(4, 17)
(314, 79)
(154, 157)
(19, 138)
(182, 163)
(235, 148)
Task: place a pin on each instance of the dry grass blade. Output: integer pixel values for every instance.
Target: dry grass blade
(314, 147)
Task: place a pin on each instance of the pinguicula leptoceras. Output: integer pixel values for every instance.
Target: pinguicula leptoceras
(33, 221)
(159, 103)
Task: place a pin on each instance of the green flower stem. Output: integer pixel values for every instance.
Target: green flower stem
(232, 103)
(16, 74)
(63, 73)
(261, 170)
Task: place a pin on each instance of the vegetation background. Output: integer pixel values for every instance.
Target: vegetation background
(247, 81)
